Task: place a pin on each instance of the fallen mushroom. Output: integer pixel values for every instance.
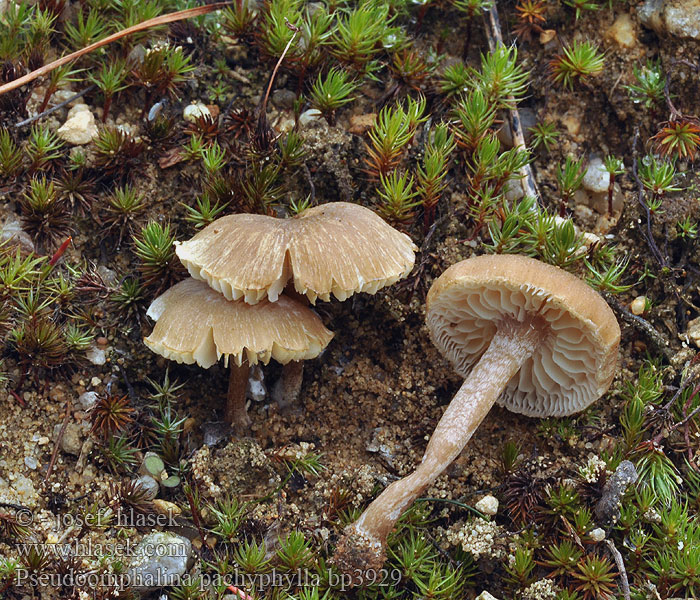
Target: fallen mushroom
(195, 324)
(525, 334)
(336, 248)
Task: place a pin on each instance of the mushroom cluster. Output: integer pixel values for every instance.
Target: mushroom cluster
(252, 277)
(523, 333)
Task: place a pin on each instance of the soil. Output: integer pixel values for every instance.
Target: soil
(370, 402)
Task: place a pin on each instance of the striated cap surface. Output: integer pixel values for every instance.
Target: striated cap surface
(575, 364)
(336, 248)
(195, 324)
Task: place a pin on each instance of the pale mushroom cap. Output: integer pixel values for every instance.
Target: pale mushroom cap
(575, 364)
(195, 324)
(336, 248)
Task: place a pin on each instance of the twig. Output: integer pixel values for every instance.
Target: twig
(263, 131)
(640, 198)
(53, 109)
(642, 325)
(624, 582)
(527, 177)
(161, 20)
(57, 445)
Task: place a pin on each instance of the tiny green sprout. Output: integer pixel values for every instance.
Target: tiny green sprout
(579, 61)
(657, 176)
(128, 296)
(44, 214)
(42, 147)
(165, 393)
(296, 207)
(10, 155)
(154, 247)
(606, 277)
(649, 87)
(193, 149)
(295, 552)
(228, 513)
(110, 80)
(388, 139)
(656, 470)
(456, 79)
(239, 19)
(125, 204)
(474, 117)
(59, 76)
(503, 81)
(361, 33)
(192, 589)
(595, 577)
(569, 178)
(581, 5)
(520, 569)
(291, 150)
(213, 158)
(413, 555)
(687, 228)
(119, 454)
(86, 29)
(331, 92)
(562, 558)
(204, 212)
(444, 582)
(544, 134)
(397, 198)
(251, 558)
(78, 339)
(433, 171)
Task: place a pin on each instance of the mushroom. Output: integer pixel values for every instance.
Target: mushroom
(195, 324)
(336, 248)
(523, 333)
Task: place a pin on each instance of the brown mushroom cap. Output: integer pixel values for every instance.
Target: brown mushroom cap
(195, 324)
(575, 364)
(337, 248)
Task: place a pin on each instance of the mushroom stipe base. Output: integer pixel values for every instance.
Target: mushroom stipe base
(363, 544)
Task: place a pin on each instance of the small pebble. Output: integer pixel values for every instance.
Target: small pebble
(31, 462)
(597, 534)
(638, 305)
(487, 505)
(96, 355)
(80, 127)
(87, 400)
(485, 596)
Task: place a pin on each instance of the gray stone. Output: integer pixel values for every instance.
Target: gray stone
(96, 355)
(284, 99)
(680, 18)
(87, 400)
(607, 510)
(596, 179)
(159, 560)
(72, 440)
(12, 232)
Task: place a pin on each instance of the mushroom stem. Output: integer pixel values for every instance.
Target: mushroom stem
(236, 414)
(288, 386)
(363, 543)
